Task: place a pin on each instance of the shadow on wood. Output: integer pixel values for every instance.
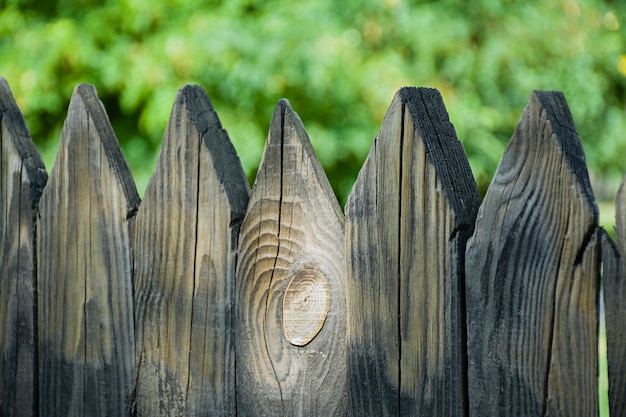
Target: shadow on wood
(291, 329)
(211, 300)
(614, 274)
(22, 179)
(532, 272)
(84, 234)
(408, 218)
(185, 253)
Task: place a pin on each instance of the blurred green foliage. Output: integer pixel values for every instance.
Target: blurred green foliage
(339, 64)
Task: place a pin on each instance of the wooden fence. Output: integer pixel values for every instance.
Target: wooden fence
(207, 298)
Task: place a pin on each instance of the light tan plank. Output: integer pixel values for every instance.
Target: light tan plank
(22, 178)
(408, 218)
(532, 271)
(290, 287)
(185, 254)
(86, 332)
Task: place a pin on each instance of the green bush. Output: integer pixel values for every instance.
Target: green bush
(339, 63)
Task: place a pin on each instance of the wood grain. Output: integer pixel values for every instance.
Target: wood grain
(532, 271)
(185, 256)
(614, 276)
(408, 218)
(290, 345)
(22, 179)
(85, 306)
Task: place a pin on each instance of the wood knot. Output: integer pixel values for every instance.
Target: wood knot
(305, 305)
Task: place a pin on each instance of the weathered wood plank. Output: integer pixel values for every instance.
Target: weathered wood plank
(409, 216)
(532, 273)
(614, 276)
(85, 313)
(290, 287)
(22, 179)
(185, 256)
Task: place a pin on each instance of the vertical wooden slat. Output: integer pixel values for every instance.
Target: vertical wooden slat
(532, 271)
(86, 332)
(22, 179)
(614, 275)
(408, 217)
(291, 290)
(185, 255)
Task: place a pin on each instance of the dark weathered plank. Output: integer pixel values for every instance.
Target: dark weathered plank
(532, 274)
(185, 256)
(290, 286)
(409, 216)
(86, 332)
(22, 178)
(614, 276)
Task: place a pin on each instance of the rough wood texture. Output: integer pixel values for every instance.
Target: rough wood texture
(185, 256)
(86, 334)
(409, 215)
(614, 275)
(532, 271)
(290, 343)
(22, 178)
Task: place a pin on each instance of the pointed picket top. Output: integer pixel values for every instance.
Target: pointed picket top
(290, 286)
(444, 151)
(14, 132)
(185, 252)
(85, 308)
(532, 269)
(614, 283)
(407, 219)
(22, 179)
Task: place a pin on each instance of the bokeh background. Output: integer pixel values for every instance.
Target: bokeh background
(338, 62)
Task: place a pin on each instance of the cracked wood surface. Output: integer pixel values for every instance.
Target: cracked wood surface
(265, 323)
(84, 234)
(22, 179)
(407, 220)
(185, 254)
(532, 273)
(291, 329)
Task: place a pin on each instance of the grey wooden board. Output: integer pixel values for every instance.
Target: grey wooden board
(22, 179)
(614, 275)
(409, 215)
(532, 271)
(84, 287)
(291, 329)
(185, 253)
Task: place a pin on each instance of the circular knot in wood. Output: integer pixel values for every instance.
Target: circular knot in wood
(305, 305)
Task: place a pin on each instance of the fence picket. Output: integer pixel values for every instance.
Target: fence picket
(614, 276)
(408, 218)
(290, 286)
(86, 334)
(22, 178)
(532, 271)
(185, 251)
(420, 301)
